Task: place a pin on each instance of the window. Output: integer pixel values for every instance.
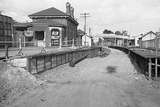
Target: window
(39, 35)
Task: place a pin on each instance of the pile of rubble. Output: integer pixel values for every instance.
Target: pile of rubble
(15, 81)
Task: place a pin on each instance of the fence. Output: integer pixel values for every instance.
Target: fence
(148, 65)
(20, 43)
(43, 62)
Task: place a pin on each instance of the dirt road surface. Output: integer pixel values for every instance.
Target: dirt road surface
(97, 82)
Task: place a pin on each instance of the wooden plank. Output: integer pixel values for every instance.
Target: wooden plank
(54, 61)
(40, 64)
(33, 67)
(155, 64)
(59, 60)
(28, 64)
(156, 73)
(48, 63)
(66, 61)
(150, 68)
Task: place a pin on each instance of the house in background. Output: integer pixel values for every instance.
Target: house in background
(80, 34)
(148, 40)
(117, 40)
(87, 40)
(52, 27)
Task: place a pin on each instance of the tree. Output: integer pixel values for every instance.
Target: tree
(106, 31)
(124, 33)
(118, 33)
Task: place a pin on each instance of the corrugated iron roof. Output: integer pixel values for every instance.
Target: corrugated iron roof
(151, 32)
(115, 36)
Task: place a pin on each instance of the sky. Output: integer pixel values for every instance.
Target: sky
(135, 16)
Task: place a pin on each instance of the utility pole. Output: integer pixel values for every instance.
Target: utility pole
(90, 35)
(85, 15)
(156, 49)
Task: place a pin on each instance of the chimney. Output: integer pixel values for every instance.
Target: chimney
(68, 8)
(72, 12)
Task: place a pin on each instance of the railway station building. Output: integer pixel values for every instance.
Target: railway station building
(50, 27)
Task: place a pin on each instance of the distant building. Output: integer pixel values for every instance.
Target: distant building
(52, 27)
(80, 34)
(87, 40)
(23, 37)
(117, 40)
(148, 40)
(6, 31)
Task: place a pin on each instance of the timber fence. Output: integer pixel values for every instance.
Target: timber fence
(144, 63)
(42, 62)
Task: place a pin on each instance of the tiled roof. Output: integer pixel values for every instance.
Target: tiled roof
(49, 12)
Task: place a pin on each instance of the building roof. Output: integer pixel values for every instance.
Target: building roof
(151, 32)
(5, 18)
(115, 36)
(52, 12)
(49, 12)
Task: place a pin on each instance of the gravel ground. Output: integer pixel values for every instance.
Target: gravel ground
(111, 81)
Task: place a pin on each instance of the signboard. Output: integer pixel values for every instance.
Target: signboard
(55, 42)
(55, 33)
(28, 33)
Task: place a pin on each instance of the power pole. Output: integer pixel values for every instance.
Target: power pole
(85, 15)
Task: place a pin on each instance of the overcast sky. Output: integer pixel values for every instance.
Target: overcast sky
(135, 16)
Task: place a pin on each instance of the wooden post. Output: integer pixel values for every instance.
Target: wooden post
(51, 61)
(56, 60)
(61, 56)
(29, 65)
(6, 53)
(36, 65)
(150, 68)
(156, 73)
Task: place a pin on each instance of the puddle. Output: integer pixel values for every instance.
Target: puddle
(56, 82)
(111, 69)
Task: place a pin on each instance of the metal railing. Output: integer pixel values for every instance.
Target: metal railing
(14, 48)
(19, 44)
